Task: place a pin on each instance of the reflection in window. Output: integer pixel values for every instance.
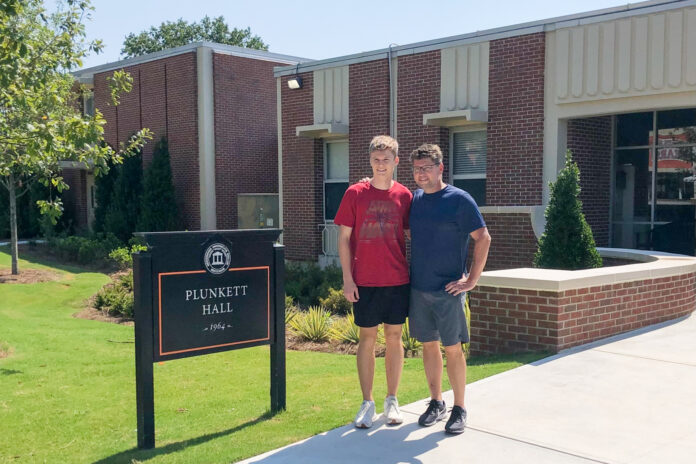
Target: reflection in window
(633, 130)
(469, 163)
(335, 177)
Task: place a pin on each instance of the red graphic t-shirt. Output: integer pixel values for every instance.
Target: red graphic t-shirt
(378, 218)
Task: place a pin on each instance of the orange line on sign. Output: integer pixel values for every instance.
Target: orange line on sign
(268, 308)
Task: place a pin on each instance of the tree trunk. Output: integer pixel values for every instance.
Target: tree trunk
(14, 251)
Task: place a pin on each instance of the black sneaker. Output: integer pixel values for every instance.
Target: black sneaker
(457, 421)
(436, 412)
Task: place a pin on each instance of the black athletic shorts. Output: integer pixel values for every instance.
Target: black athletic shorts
(378, 305)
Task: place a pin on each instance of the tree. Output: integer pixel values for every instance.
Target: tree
(175, 34)
(40, 121)
(567, 241)
(158, 210)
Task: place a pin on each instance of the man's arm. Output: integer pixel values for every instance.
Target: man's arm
(350, 290)
(482, 242)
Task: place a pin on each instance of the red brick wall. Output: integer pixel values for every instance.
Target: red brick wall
(75, 198)
(513, 242)
(303, 161)
(368, 113)
(246, 148)
(590, 142)
(515, 121)
(418, 94)
(505, 320)
(165, 100)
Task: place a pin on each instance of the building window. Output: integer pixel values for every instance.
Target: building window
(88, 104)
(335, 176)
(655, 208)
(468, 162)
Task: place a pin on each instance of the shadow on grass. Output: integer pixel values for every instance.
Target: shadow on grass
(4, 371)
(144, 455)
(38, 254)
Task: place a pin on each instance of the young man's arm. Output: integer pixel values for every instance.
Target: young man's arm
(482, 242)
(350, 290)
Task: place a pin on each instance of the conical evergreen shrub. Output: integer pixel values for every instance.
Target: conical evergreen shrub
(567, 242)
(104, 185)
(124, 210)
(158, 210)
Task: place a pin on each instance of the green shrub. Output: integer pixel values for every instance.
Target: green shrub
(84, 250)
(313, 325)
(121, 217)
(344, 329)
(336, 302)
(116, 298)
(123, 256)
(306, 283)
(411, 345)
(290, 310)
(567, 242)
(158, 210)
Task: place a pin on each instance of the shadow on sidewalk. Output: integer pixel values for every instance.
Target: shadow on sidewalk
(385, 445)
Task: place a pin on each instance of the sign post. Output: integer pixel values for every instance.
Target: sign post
(205, 292)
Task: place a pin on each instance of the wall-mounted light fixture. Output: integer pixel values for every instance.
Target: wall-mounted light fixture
(296, 81)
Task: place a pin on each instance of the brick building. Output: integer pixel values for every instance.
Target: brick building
(616, 86)
(216, 104)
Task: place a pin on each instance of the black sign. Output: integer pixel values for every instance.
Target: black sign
(204, 292)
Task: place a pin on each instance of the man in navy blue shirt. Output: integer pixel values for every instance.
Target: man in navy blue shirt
(442, 220)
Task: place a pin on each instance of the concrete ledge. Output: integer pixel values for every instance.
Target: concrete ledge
(322, 131)
(649, 265)
(455, 118)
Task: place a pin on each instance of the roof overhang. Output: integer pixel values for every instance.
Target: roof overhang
(455, 118)
(76, 165)
(322, 131)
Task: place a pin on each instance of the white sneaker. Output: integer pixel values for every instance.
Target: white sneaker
(391, 411)
(364, 417)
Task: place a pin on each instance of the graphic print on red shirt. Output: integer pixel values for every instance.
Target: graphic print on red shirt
(378, 219)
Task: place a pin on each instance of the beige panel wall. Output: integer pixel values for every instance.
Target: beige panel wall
(643, 55)
(464, 78)
(331, 95)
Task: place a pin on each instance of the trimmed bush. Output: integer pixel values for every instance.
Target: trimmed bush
(567, 242)
(158, 210)
(84, 250)
(313, 325)
(123, 212)
(336, 302)
(104, 185)
(306, 283)
(116, 298)
(123, 256)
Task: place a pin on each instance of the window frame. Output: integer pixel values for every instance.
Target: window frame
(325, 172)
(469, 128)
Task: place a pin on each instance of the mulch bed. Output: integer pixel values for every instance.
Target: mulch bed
(28, 276)
(295, 343)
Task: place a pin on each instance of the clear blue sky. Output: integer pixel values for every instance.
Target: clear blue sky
(323, 29)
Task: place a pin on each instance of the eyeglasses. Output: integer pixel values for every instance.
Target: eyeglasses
(427, 169)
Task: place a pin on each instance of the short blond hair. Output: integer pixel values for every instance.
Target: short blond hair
(427, 151)
(384, 142)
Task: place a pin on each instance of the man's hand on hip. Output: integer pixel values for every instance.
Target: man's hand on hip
(459, 286)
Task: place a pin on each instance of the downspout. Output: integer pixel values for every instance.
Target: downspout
(393, 69)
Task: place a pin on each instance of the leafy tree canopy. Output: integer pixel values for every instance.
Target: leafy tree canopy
(40, 119)
(172, 34)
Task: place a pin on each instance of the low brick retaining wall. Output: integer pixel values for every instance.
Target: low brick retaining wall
(542, 309)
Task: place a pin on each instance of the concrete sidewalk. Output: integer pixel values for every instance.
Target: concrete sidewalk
(627, 399)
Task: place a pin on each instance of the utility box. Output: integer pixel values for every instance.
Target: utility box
(257, 210)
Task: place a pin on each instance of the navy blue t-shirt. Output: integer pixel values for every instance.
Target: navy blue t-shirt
(440, 226)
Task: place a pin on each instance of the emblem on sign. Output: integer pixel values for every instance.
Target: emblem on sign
(216, 258)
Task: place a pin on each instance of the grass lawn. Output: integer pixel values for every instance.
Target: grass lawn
(67, 390)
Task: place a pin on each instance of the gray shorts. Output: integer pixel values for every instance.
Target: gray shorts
(438, 315)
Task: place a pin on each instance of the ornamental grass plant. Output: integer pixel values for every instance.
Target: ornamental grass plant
(313, 325)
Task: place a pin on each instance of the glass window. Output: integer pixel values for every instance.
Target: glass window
(677, 127)
(88, 104)
(335, 177)
(634, 130)
(469, 163)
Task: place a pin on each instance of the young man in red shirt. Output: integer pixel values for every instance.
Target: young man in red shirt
(372, 218)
